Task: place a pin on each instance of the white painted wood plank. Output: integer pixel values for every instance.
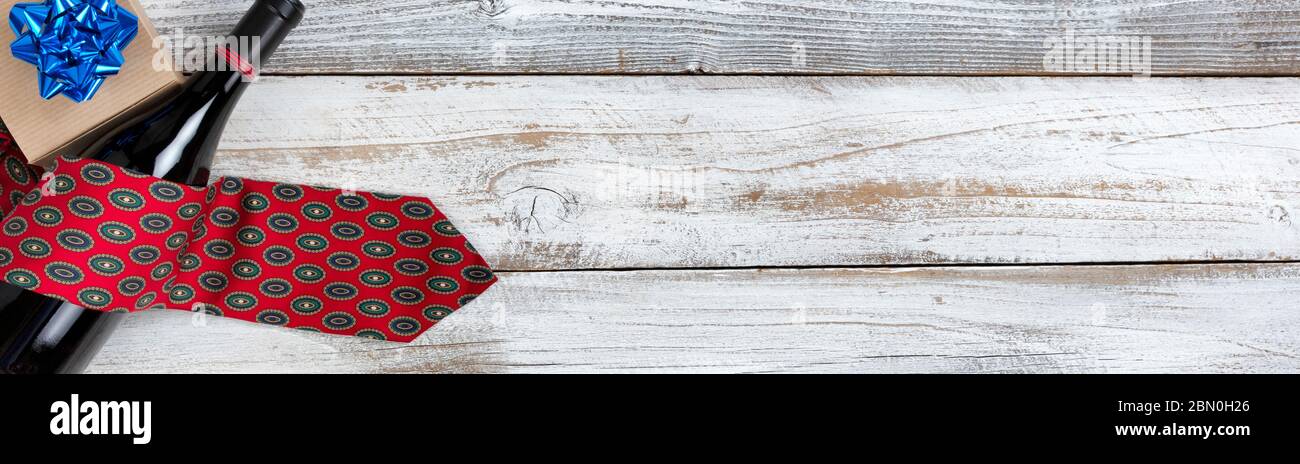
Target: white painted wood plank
(771, 36)
(1187, 318)
(715, 171)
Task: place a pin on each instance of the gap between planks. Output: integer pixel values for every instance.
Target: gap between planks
(907, 266)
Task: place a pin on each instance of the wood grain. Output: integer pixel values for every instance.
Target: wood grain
(551, 173)
(1205, 318)
(1219, 37)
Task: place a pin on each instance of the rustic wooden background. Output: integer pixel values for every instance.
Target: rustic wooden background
(792, 185)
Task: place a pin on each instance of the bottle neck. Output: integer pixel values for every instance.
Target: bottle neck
(178, 142)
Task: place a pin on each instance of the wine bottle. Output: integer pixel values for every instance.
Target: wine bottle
(40, 334)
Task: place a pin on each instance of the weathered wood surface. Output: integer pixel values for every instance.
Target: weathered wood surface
(1227, 37)
(1190, 318)
(550, 173)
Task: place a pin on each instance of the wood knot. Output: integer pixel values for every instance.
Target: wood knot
(1279, 214)
(492, 8)
(541, 209)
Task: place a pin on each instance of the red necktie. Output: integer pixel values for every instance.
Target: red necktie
(372, 265)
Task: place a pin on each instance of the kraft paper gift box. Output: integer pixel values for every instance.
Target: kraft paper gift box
(44, 129)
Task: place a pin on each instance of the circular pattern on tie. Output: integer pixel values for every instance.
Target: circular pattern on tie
(155, 223)
(410, 267)
(74, 240)
(85, 207)
(254, 203)
(351, 202)
(231, 185)
(32, 197)
(15, 226)
(246, 269)
(251, 236)
(346, 230)
(417, 210)
(241, 301)
(340, 291)
(445, 229)
(282, 223)
(219, 249)
(15, 197)
(213, 281)
(343, 261)
(286, 192)
(166, 191)
(407, 295)
(125, 199)
(273, 317)
(17, 170)
(338, 321)
(308, 273)
(116, 232)
(177, 240)
(62, 184)
(443, 285)
(208, 309)
(404, 326)
(130, 286)
(414, 239)
(94, 297)
(312, 243)
(275, 288)
(210, 195)
(200, 230)
(190, 262)
(161, 271)
(64, 273)
(106, 265)
(144, 254)
(466, 298)
(169, 284)
(278, 256)
(47, 216)
(6, 256)
(316, 211)
(382, 221)
(181, 294)
(33, 247)
(22, 278)
(373, 308)
(386, 196)
(435, 313)
(306, 305)
(371, 334)
(476, 274)
(189, 211)
(376, 278)
(378, 250)
(97, 174)
(224, 216)
(446, 256)
(145, 300)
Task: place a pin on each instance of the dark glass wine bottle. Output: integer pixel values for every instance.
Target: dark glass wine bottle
(40, 334)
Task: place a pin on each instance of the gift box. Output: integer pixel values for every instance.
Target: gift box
(44, 129)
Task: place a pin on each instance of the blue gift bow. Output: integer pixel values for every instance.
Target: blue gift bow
(74, 44)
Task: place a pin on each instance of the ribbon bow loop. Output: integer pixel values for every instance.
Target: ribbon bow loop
(74, 44)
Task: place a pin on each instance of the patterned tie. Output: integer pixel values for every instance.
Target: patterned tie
(372, 265)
